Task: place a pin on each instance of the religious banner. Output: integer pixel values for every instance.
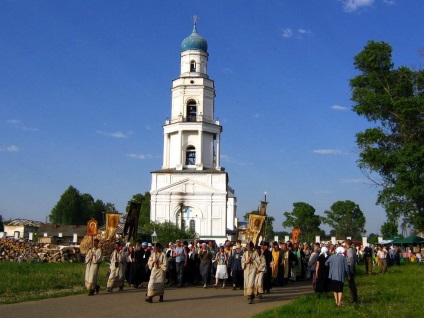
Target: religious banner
(112, 221)
(92, 227)
(262, 210)
(295, 235)
(256, 223)
(131, 223)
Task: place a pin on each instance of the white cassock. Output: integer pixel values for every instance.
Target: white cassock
(158, 264)
(249, 272)
(117, 269)
(260, 270)
(92, 261)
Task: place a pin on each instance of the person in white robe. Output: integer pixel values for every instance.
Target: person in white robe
(260, 272)
(118, 261)
(92, 261)
(248, 263)
(157, 263)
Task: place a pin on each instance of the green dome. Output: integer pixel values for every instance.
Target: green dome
(194, 42)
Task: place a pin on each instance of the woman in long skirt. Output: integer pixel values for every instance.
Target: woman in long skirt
(157, 264)
(205, 257)
(338, 271)
(321, 273)
(221, 269)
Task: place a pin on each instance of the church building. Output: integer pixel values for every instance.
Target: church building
(192, 188)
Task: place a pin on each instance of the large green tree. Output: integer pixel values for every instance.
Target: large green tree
(393, 149)
(389, 229)
(1, 224)
(166, 232)
(346, 219)
(304, 218)
(76, 208)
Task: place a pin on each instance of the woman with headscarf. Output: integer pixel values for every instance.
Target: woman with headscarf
(337, 273)
(157, 264)
(321, 273)
(221, 259)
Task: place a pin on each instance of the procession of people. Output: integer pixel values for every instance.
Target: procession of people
(253, 269)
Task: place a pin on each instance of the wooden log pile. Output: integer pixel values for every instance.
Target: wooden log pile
(26, 251)
(107, 246)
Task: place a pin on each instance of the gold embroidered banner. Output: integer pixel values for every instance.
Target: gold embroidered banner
(256, 223)
(112, 221)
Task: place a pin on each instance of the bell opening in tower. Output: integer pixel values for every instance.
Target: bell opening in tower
(191, 111)
(190, 156)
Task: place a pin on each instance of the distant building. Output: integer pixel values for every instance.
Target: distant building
(59, 234)
(20, 228)
(192, 188)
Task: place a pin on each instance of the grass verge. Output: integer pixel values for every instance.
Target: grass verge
(396, 294)
(33, 281)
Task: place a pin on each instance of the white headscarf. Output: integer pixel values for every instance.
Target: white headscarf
(340, 250)
(324, 251)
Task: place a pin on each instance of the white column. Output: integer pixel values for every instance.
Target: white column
(165, 151)
(181, 147)
(218, 151)
(199, 159)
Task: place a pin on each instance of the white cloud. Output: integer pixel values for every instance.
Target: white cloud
(353, 5)
(116, 134)
(338, 107)
(14, 121)
(304, 32)
(286, 33)
(140, 156)
(389, 2)
(18, 124)
(327, 151)
(11, 148)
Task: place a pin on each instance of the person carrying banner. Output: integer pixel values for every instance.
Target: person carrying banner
(93, 260)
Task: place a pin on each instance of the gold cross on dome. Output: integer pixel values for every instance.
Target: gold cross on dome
(195, 19)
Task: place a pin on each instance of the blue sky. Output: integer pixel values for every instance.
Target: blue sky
(85, 89)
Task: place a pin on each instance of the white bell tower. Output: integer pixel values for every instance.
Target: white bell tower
(192, 189)
(192, 136)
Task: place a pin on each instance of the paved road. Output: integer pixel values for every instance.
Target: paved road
(179, 303)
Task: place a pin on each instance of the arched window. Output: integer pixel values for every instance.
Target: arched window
(192, 225)
(193, 66)
(191, 111)
(190, 156)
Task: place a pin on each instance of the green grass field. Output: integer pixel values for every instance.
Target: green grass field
(32, 281)
(396, 294)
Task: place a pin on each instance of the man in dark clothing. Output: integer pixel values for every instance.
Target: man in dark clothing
(235, 267)
(368, 259)
(145, 274)
(268, 273)
(351, 261)
(138, 254)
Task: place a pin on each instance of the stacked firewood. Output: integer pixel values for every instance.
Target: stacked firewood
(106, 246)
(26, 251)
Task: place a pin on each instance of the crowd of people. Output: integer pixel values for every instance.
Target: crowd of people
(254, 269)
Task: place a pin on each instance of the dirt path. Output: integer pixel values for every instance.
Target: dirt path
(179, 303)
